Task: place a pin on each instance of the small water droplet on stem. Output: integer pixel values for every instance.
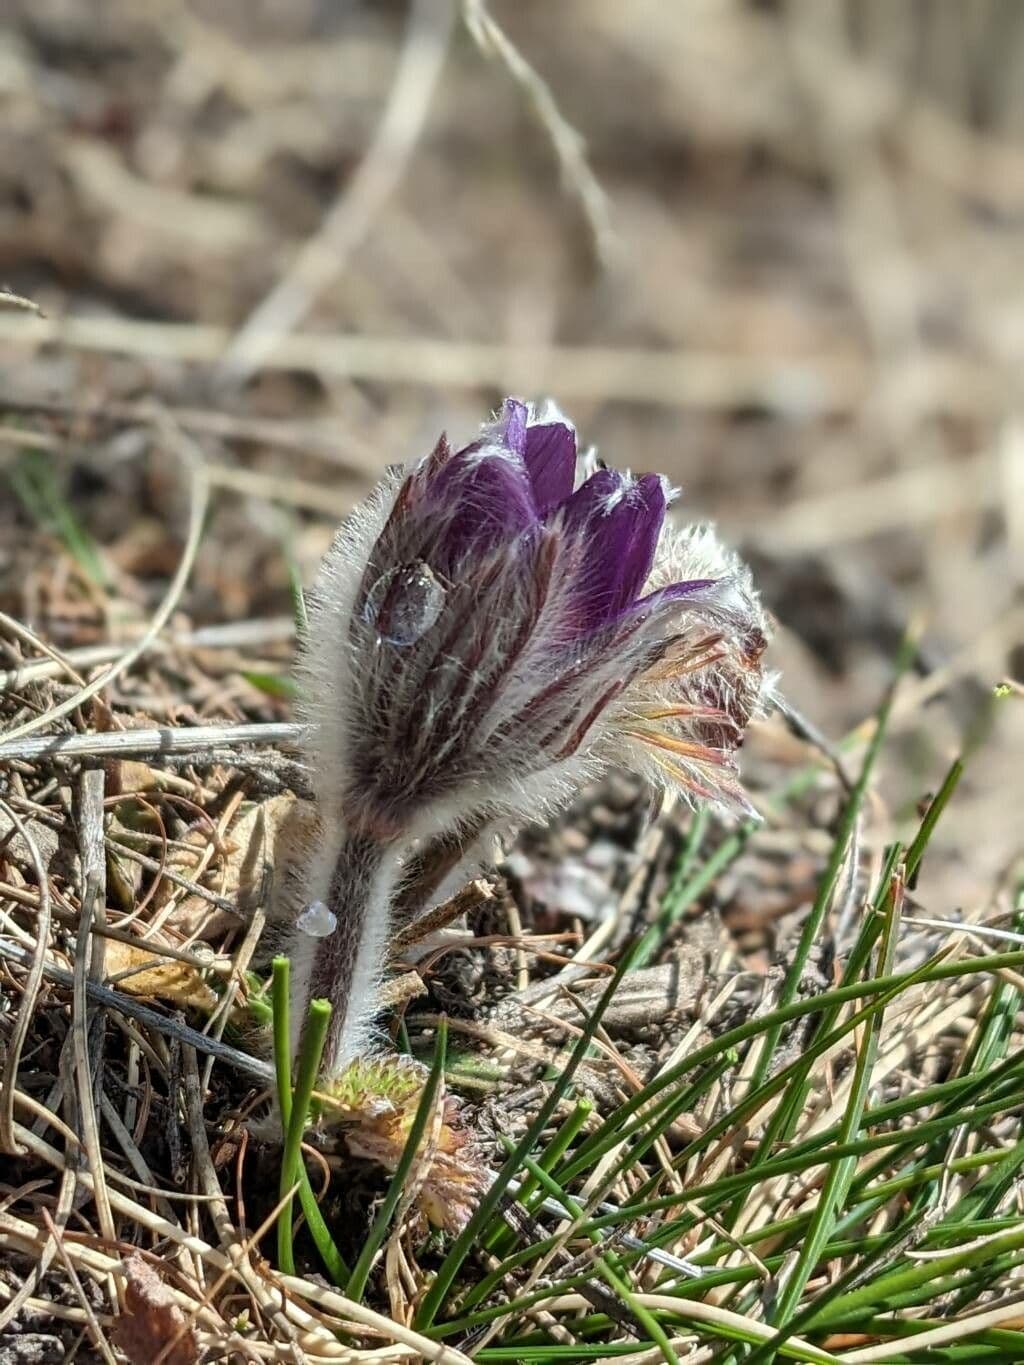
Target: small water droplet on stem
(317, 921)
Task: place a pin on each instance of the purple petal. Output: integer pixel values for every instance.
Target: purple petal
(479, 501)
(551, 464)
(619, 523)
(594, 500)
(511, 425)
(506, 432)
(675, 593)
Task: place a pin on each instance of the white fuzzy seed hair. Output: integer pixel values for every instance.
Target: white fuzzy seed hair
(680, 727)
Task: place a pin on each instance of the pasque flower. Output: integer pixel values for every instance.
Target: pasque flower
(490, 629)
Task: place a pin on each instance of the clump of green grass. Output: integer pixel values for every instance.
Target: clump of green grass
(880, 1228)
(37, 488)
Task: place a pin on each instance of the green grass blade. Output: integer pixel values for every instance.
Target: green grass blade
(449, 1268)
(680, 893)
(424, 1110)
(280, 996)
(553, 1153)
(314, 1035)
(876, 1295)
(830, 880)
(840, 1172)
(36, 487)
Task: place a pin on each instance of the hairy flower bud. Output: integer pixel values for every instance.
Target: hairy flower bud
(488, 631)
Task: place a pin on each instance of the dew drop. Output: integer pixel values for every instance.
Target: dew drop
(405, 602)
(317, 921)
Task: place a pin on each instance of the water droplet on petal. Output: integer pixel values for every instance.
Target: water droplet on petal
(317, 921)
(405, 602)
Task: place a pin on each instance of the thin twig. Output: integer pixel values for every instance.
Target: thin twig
(235, 1247)
(199, 497)
(323, 258)
(19, 303)
(257, 1070)
(96, 1332)
(89, 967)
(233, 635)
(305, 438)
(803, 385)
(176, 878)
(36, 963)
(55, 661)
(566, 143)
(150, 743)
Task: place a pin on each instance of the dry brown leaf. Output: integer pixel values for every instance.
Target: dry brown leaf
(131, 775)
(168, 979)
(243, 873)
(152, 1320)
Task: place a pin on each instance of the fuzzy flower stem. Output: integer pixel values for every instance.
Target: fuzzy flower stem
(428, 872)
(344, 966)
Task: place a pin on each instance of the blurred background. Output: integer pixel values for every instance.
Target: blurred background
(774, 250)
